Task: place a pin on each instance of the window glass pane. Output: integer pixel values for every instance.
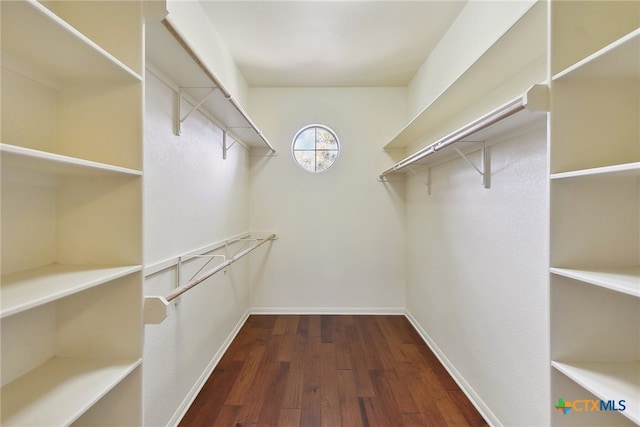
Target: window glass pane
(324, 159)
(325, 140)
(306, 159)
(306, 140)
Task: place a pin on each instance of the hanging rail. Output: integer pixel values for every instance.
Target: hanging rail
(217, 84)
(535, 99)
(155, 306)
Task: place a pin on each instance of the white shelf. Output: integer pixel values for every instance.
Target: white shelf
(61, 390)
(519, 49)
(625, 280)
(178, 65)
(608, 381)
(619, 60)
(27, 289)
(56, 164)
(627, 169)
(33, 33)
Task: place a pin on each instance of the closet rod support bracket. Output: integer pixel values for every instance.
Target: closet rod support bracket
(194, 108)
(485, 165)
(226, 146)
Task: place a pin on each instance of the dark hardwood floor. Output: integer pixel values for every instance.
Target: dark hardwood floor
(334, 371)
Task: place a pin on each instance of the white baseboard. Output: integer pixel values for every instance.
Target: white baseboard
(329, 310)
(475, 399)
(193, 393)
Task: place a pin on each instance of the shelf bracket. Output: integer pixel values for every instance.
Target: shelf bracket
(225, 133)
(485, 165)
(184, 258)
(195, 107)
(426, 181)
(225, 146)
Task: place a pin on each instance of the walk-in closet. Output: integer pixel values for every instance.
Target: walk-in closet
(320, 213)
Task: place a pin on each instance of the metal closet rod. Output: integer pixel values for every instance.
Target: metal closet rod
(182, 289)
(216, 82)
(473, 127)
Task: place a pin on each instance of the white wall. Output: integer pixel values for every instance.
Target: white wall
(193, 198)
(478, 275)
(341, 233)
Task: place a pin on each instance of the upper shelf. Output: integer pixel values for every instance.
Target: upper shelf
(620, 60)
(166, 50)
(515, 61)
(519, 113)
(81, 59)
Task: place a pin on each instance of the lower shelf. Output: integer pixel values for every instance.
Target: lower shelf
(608, 381)
(61, 390)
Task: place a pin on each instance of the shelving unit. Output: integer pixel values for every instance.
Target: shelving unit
(181, 68)
(595, 208)
(71, 153)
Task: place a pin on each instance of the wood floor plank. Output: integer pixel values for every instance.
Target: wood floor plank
(292, 398)
(311, 390)
(287, 348)
(333, 371)
(289, 417)
(244, 382)
(387, 404)
(343, 355)
(330, 407)
(361, 362)
(267, 375)
(273, 395)
(401, 394)
(349, 406)
(226, 416)
(314, 325)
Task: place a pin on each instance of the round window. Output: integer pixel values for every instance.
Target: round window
(315, 148)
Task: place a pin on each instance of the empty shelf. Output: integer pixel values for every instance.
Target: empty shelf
(41, 397)
(620, 279)
(27, 289)
(42, 161)
(608, 381)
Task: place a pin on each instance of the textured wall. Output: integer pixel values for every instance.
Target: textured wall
(193, 198)
(341, 243)
(478, 275)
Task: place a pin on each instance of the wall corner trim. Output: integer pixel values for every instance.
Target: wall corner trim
(466, 388)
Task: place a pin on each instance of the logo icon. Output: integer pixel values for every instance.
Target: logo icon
(563, 406)
(590, 405)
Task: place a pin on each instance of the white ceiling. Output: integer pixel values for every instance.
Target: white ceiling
(330, 43)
